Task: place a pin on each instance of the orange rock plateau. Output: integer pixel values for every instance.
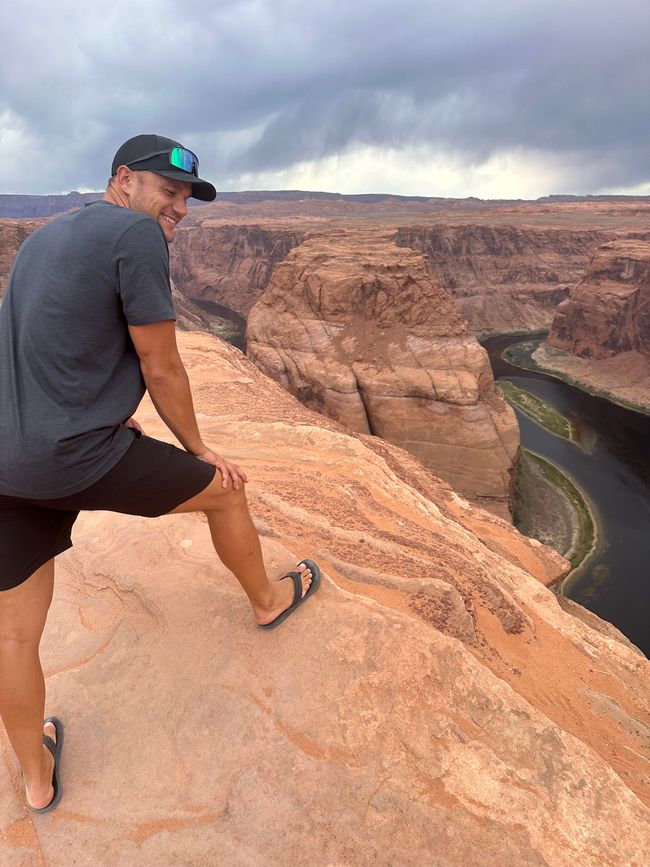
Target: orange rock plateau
(434, 703)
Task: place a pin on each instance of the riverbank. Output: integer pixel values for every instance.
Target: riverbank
(537, 409)
(550, 508)
(623, 380)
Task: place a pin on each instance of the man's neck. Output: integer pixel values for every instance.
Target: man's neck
(115, 197)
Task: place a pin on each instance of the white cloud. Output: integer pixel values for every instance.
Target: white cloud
(424, 171)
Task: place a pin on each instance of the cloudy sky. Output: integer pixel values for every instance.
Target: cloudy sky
(491, 98)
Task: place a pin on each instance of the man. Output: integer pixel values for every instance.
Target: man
(86, 325)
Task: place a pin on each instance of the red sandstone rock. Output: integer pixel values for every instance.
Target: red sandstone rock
(504, 277)
(228, 264)
(609, 309)
(433, 704)
(600, 337)
(354, 327)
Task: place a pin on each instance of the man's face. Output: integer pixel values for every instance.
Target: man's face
(163, 199)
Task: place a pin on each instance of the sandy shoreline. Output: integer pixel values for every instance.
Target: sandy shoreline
(623, 379)
(545, 512)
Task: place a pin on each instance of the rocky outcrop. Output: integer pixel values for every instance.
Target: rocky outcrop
(432, 704)
(356, 328)
(600, 337)
(504, 278)
(228, 264)
(608, 311)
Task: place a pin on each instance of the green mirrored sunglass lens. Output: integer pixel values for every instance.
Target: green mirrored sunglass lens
(183, 159)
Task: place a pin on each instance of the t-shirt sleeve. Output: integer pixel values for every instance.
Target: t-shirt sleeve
(142, 263)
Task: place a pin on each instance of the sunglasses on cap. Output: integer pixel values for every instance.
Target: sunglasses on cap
(179, 158)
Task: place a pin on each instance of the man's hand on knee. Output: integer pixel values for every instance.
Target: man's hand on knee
(230, 472)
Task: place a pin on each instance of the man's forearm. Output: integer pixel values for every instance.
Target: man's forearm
(170, 392)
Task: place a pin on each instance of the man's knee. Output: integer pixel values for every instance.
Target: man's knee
(215, 498)
(221, 499)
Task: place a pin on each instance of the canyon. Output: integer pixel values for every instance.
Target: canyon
(507, 267)
(433, 703)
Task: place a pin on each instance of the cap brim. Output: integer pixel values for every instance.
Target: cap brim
(202, 190)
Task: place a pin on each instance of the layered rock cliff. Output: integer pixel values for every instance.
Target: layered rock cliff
(608, 311)
(432, 704)
(355, 327)
(504, 278)
(600, 336)
(229, 265)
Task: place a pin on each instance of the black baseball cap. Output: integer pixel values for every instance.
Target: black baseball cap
(164, 156)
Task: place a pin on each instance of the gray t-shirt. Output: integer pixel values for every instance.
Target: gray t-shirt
(69, 373)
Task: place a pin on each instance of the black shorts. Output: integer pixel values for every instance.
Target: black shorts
(150, 480)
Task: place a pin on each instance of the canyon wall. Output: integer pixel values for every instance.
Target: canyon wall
(229, 265)
(600, 336)
(608, 311)
(433, 703)
(504, 278)
(356, 328)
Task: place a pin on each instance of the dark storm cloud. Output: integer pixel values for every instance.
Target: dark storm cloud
(259, 86)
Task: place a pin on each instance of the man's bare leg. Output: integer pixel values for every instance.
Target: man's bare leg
(23, 610)
(236, 542)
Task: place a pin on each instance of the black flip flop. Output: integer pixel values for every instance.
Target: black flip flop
(298, 598)
(55, 749)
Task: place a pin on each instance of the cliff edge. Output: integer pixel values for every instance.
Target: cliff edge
(432, 704)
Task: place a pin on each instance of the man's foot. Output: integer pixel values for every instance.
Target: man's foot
(40, 792)
(290, 591)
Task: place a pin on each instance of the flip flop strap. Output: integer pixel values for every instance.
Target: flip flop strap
(297, 585)
(49, 743)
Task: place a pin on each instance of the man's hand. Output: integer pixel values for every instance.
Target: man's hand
(230, 472)
(132, 423)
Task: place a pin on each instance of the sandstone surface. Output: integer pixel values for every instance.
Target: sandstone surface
(433, 704)
(355, 327)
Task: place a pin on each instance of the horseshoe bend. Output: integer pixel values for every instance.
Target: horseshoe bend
(435, 699)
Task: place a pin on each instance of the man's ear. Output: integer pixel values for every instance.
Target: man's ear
(125, 180)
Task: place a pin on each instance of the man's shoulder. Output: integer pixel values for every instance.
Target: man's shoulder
(109, 214)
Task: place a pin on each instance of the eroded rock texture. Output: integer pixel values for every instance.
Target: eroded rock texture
(228, 264)
(600, 338)
(432, 704)
(608, 311)
(355, 327)
(504, 277)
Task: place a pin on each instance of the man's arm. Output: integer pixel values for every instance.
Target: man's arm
(169, 388)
